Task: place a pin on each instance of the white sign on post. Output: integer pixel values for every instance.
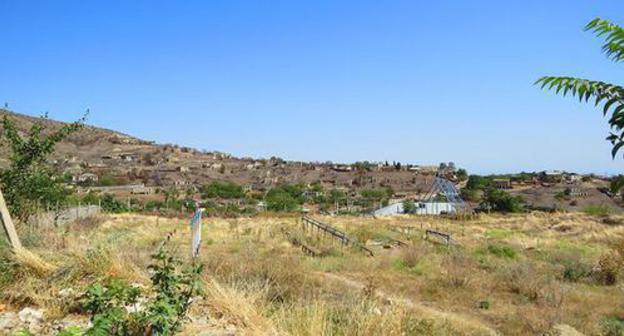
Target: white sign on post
(196, 232)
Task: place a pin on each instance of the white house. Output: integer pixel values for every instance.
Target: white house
(422, 208)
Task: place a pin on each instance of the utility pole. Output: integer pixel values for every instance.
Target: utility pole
(7, 224)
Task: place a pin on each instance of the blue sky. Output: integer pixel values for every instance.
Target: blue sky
(412, 81)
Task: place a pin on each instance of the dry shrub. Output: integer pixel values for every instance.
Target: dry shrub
(534, 285)
(283, 275)
(241, 304)
(86, 224)
(459, 270)
(411, 255)
(370, 287)
(610, 264)
(575, 267)
(31, 262)
(356, 315)
(608, 269)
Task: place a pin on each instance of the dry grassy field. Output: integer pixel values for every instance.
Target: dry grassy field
(511, 275)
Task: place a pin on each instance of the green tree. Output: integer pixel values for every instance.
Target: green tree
(409, 206)
(29, 181)
(476, 182)
(611, 95)
(278, 199)
(616, 184)
(500, 201)
(461, 174)
(228, 190)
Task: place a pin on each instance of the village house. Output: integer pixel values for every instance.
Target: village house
(502, 183)
(85, 178)
(572, 178)
(128, 157)
(342, 168)
(142, 190)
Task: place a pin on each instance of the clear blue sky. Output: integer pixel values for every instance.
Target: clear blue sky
(413, 81)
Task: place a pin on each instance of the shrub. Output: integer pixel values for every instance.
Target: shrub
(608, 270)
(501, 201)
(612, 326)
(110, 204)
(408, 206)
(280, 200)
(522, 279)
(574, 267)
(226, 190)
(597, 210)
(163, 313)
(502, 251)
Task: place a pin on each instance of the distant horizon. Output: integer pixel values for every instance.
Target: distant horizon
(346, 81)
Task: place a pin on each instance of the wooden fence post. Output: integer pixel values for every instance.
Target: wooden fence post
(7, 223)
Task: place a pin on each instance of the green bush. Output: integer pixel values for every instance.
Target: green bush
(597, 210)
(502, 251)
(228, 190)
(286, 198)
(501, 201)
(612, 326)
(409, 206)
(162, 313)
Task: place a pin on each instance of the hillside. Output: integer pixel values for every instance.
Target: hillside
(125, 159)
(105, 152)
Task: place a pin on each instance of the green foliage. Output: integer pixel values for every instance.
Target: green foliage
(336, 195)
(108, 180)
(29, 181)
(110, 204)
(162, 313)
(610, 94)
(471, 195)
(502, 251)
(597, 210)
(501, 201)
(616, 184)
(575, 270)
(376, 194)
(612, 326)
(461, 174)
(280, 199)
(71, 331)
(286, 197)
(226, 190)
(476, 182)
(409, 206)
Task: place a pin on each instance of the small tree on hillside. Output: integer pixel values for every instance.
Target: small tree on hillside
(29, 181)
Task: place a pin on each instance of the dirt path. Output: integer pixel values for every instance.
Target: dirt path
(460, 321)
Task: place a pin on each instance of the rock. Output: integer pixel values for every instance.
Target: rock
(66, 292)
(565, 330)
(30, 315)
(8, 321)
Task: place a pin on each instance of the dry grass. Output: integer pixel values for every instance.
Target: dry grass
(513, 275)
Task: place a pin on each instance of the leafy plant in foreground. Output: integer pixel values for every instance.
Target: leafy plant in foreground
(117, 308)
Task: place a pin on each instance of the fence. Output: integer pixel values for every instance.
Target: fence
(61, 216)
(333, 232)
